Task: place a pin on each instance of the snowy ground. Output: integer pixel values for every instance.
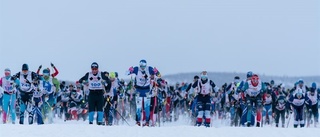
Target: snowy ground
(176, 129)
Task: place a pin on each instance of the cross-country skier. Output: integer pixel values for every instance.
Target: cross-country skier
(312, 98)
(279, 109)
(267, 107)
(27, 79)
(206, 88)
(297, 102)
(75, 101)
(99, 83)
(144, 75)
(253, 90)
(110, 100)
(234, 99)
(9, 95)
(50, 87)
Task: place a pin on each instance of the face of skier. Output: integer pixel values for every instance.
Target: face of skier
(299, 95)
(195, 79)
(24, 72)
(70, 87)
(78, 89)
(204, 75)
(300, 84)
(7, 73)
(142, 65)
(312, 93)
(46, 75)
(94, 70)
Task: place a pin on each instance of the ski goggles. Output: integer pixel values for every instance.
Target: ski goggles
(143, 65)
(46, 74)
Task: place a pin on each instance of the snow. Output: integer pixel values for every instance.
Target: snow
(175, 129)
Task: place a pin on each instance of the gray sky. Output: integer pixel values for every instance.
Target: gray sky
(273, 37)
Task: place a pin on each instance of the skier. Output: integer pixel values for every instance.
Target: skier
(82, 105)
(279, 109)
(253, 90)
(297, 102)
(267, 107)
(26, 88)
(63, 99)
(144, 75)
(37, 102)
(312, 98)
(154, 101)
(9, 97)
(234, 98)
(176, 97)
(99, 83)
(74, 103)
(50, 87)
(206, 88)
(110, 100)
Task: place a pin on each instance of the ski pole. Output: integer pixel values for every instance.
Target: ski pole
(119, 114)
(289, 120)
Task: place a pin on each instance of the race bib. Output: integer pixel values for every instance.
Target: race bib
(95, 85)
(25, 86)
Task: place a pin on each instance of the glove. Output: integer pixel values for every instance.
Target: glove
(131, 69)
(40, 66)
(155, 70)
(310, 110)
(273, 115)
(52, 65)
(14, 77)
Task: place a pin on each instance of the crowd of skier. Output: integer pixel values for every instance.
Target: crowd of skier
(148, 99)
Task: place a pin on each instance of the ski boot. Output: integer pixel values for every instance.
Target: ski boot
(258, 124)
(248, 124)
(138, 123)
(207, 125)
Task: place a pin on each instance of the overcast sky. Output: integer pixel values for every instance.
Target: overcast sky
(272, 37)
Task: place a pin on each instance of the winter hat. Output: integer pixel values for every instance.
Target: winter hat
(46, 71)
(249, 74)
(94, 65)
(25, 67)
(7, 70)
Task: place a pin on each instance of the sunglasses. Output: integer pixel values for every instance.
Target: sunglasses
(94, 69)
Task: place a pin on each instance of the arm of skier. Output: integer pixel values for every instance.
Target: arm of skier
(84, 78)
(214, 87)
(56, 72)
(39, 68)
